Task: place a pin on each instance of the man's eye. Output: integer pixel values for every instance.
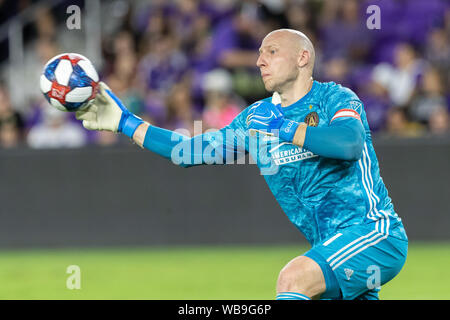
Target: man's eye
(272, 51)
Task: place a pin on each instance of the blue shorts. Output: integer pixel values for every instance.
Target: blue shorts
(357, 261)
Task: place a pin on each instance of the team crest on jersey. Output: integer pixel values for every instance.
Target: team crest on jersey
(312, 119)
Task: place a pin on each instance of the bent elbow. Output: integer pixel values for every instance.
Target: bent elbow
(354, 151)
(355, 146)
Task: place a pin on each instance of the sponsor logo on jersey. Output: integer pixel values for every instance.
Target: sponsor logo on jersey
(290, 155)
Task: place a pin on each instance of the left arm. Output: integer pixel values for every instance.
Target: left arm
(342, 140)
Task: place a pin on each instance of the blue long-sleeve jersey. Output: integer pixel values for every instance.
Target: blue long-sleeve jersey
(319, 194)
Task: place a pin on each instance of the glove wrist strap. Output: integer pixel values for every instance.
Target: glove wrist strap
(287, 130)
(128, 124)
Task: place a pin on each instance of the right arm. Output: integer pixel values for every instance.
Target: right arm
(108, 113)
(139, 134)
(219, 147)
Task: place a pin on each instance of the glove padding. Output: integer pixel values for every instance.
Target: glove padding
(267, 118)
(107, 112)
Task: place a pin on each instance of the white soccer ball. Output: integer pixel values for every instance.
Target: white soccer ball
(69, 82)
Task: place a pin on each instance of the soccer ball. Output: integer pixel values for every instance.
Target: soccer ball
(69, 82)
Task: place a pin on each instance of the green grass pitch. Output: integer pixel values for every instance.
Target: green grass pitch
(210, 272)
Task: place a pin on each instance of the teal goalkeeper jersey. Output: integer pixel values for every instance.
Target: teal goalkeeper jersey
(321, 195)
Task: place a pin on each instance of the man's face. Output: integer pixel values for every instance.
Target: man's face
(277, 61)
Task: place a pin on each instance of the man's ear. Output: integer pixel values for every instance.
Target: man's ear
(303, 58)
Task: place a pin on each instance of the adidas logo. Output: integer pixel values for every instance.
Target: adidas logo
(348, 273)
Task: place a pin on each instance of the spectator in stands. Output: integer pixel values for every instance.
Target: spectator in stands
(55, 131)
(337, 69)
(42, 51)
(189, 22)
(181, 111)
(124, 43)
(163, 63)
(159, 70)
(376, 104)
(439, 121)
(437, 49)
(343, 18)
(11, 122)
(399, 80)
(10, 135)
(429, 97)
(300, 17)
(220, 107)
(447, 20)
(45, 22)
(163, 42)
(123, 81)
(235, 41)
(106, 138)
(398, 125)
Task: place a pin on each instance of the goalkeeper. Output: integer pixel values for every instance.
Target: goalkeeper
(312, 142)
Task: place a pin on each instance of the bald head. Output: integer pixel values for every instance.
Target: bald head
(286, 60)
(296, 41)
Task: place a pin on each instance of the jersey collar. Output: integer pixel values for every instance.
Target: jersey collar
(304, 99)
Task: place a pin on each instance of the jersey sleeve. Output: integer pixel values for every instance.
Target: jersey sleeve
(344, 136)
(223, 146)
(342, 103)
(343, 140)
(230, 143)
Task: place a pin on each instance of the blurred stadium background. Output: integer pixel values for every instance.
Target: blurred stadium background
(141, 228)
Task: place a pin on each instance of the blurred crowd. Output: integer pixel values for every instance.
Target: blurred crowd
(175, 62)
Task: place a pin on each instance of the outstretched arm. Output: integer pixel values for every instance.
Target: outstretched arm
(107, 112)
(139, 134)
(219, 147)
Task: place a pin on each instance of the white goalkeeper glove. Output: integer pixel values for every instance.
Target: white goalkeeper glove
(107, 112)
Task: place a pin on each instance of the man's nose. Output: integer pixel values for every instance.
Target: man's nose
(261, 62)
